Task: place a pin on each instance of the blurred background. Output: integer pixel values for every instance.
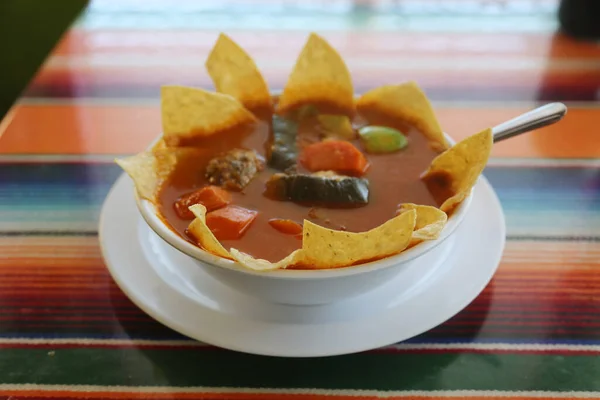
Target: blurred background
(458, 50)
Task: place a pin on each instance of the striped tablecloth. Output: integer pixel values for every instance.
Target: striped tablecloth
(67, 331)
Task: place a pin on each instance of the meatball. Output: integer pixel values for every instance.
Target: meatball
(234, 169)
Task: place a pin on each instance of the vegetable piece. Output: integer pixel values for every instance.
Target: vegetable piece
(336, 125)
(322, 188)
(286, 226)
(211, 197)
(230, 223)
(381, 139)
(334, 155)
(234, 169)
(283, 151)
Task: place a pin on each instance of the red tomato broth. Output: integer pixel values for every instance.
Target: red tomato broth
(393, 179)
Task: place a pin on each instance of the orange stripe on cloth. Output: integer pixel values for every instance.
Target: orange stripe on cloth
(348, 43)
(111, 129)
(366, 75)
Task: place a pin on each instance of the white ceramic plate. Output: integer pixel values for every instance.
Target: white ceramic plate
(168, 286)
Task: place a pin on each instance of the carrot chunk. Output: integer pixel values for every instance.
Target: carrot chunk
(286, 226)
(231, 222)
(211, 197)
(334, 155)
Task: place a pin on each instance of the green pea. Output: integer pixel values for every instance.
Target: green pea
(381, 139)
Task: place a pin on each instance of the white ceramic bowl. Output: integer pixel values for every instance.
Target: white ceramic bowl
(300, 287)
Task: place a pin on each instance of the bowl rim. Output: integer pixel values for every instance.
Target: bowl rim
(151, 216)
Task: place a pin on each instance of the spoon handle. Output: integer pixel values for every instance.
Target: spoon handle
(534, 119)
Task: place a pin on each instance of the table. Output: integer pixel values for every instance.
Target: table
(67, 331)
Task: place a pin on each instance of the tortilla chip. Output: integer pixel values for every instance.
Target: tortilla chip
(327, 248)
(319, 76)
(234, 73)
(407, 102)
(159, 145)
(263, 265)
(462, 163)
(200, 231)
(149, 170)
(303, 112)
(189, 113)
(430, 222)
(321, 247)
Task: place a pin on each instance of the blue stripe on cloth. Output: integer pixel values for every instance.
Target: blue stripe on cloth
(170, 335)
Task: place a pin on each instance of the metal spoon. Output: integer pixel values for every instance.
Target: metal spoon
(534, 119)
